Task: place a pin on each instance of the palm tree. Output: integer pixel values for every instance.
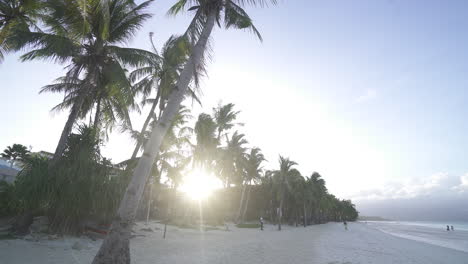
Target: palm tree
(111, 102)
(16, 16)
(319, 192)
(205, 148)
(233, 159)
(224, 116)
(86, 35)
(160, 76)
(253, 170)
(282, 179)
(15, 152)
(115, 248)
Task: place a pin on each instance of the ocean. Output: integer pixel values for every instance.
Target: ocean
(430, 232)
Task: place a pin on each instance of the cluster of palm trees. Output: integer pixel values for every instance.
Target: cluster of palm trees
(103, 78)
(215, 146)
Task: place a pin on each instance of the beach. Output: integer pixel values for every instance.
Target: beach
(327, 244)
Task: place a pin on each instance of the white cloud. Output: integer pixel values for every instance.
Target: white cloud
(463, 186)
(368, 95)
(440, 184)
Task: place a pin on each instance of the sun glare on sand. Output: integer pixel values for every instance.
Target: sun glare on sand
(199, 184)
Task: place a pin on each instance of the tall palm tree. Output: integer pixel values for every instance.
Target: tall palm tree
(115, 248)
(205, 148)
(253, 170)
(233, 159)
(85, 35)
(282, 176)
(16, 16)
(161, 76)
(319, 192)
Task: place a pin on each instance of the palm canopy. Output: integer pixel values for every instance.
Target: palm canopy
(253, 164)
(162, 71)
(225, 116)
(85, 35)
(15, 152)
(285, 172)
(16, 16)
(113, 101)
(206, 142)
(229, 13)
(231, 163)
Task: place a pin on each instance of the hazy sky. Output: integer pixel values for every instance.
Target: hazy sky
(371, 94)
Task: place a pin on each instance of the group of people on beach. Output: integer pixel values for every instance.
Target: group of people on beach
(450, 228)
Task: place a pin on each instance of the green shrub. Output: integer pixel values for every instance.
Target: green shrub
(80, 187)
(8, 202)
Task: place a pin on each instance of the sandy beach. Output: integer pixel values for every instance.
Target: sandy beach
(327, 244)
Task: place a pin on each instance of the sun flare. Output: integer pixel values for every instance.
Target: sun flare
(199, 184)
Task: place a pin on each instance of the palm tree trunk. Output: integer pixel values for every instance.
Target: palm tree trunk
(149, 203)
(305, 215)
(272, 219)
(115, 248)
(67, 129)
(239, 212)
(246, 202)
(145, 125)
(280, 213)
(97, 115)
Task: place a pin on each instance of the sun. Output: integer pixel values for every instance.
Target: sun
(199, 185)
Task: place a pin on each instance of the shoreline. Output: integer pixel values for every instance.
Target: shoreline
(321, 244)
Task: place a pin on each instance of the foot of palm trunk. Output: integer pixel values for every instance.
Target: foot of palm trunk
(116, 247)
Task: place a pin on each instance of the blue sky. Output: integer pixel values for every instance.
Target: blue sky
(368, 93)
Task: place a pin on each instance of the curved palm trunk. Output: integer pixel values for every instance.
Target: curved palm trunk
(67, 130)
(116, 247)
(145, 125)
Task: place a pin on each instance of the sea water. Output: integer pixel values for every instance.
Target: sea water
(430, 232)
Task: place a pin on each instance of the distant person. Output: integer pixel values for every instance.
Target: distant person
(448, 228)
(451, 227)
(345, 225)
(261, 223)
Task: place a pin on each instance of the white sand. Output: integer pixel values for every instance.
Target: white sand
(327, 244)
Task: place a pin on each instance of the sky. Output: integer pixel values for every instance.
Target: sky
(371, 94)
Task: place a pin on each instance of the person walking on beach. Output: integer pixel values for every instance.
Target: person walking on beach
(345, 225)
(451, 227)
(448, 228)
(261, 223)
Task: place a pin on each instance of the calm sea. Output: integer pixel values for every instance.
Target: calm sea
(431, 232)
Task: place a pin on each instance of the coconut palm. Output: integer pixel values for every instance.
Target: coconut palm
(161, 76)
(205, 133)
(111, 102)
(115, 248)
(319, 192)
(85, 35)
(282, 176)
(253, 170)
(233, 159)
(224, 116)
(15, 152)
(16, 16)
